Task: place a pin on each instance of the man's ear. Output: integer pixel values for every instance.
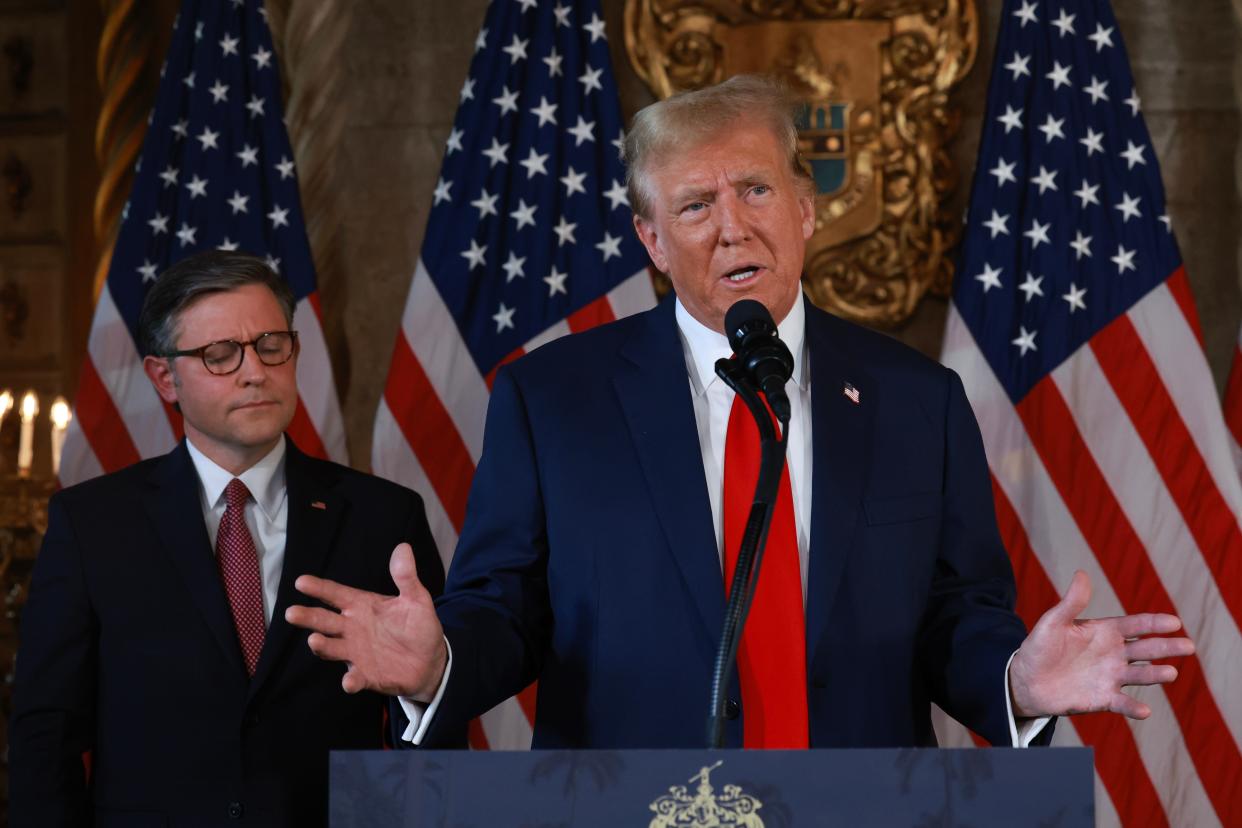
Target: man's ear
(646, 231)
(159, 370)
(806, 206)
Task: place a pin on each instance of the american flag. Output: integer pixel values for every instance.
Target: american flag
(1074, 330)
(529, 238)
(216, 171)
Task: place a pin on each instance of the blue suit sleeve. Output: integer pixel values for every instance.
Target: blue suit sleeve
(970, 629)
(495, 610)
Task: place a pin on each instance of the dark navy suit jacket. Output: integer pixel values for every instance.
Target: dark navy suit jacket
(589, 561)
(128, 650)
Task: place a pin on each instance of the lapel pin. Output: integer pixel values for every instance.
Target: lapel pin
(319, 504)
(851, 393)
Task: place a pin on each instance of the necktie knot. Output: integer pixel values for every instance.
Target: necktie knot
(236, 494)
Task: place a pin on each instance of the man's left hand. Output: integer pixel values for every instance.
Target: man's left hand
(1069, 665)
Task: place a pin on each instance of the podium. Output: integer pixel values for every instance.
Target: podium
(703, 789)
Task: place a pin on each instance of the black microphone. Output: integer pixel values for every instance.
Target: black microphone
(753, 337)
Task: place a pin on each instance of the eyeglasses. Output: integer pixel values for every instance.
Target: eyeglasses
(224, 357)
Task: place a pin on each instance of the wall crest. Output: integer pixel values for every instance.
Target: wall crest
(875, 78)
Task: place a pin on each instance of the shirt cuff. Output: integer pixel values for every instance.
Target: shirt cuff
(1021, 734)
(420, 714)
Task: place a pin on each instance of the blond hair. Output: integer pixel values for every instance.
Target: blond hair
(688, 119)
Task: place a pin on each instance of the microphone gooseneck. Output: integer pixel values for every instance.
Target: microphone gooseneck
(753, 337)
(762, 362)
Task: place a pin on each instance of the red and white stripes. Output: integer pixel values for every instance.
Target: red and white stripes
(1118, 464)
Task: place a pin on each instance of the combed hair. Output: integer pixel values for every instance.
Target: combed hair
(691, 118)
(193, 277)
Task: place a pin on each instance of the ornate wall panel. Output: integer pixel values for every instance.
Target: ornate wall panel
(31, 307)
(32, 188)
(875, 77)
(32, 65)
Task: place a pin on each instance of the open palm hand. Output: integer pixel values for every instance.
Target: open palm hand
(1070, 665)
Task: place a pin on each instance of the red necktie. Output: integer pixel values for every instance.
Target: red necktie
(239, 569)
(771, 659)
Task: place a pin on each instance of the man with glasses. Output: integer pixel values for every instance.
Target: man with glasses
(154, 638)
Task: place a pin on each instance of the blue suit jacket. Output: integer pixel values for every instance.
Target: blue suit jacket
(589, 562)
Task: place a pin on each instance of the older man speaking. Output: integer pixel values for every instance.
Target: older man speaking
(607, 509)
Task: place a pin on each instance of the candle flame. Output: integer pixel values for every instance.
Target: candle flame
(30, 406)
(61, 415)
(6, 403)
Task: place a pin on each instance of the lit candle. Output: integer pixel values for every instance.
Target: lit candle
(61, 415)
(25, 450)
(6, 404)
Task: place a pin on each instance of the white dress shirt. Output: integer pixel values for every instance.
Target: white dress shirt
(713, 399)
(267, 511)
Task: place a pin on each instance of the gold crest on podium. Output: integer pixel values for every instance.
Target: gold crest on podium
(705, 808)
(874, 77)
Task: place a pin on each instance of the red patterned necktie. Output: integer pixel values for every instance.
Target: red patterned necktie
(239, 569)
(771, 659)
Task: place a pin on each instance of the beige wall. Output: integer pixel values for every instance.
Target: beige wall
(406, 61)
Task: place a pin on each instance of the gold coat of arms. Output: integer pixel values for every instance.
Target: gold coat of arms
(875, 78)
(733, 808)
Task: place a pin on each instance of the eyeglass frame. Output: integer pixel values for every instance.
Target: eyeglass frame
(201, 352)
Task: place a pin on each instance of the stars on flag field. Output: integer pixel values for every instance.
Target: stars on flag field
(1063, 195)
(524, 215)
(1075, 298)
(997, 224)
(556, 281)
(1025, 340)
(198, 187)
(214, 133)
(537, 167)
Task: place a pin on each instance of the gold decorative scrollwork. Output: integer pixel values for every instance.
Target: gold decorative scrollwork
(880, 72)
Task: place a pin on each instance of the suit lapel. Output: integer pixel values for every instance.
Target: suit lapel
(841, 451)
(176, 510)
(655, 398)
(314, 513)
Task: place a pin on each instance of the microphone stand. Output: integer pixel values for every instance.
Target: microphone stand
(754, 539)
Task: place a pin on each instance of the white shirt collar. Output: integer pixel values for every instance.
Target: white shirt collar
(704, 346)
(265, 479)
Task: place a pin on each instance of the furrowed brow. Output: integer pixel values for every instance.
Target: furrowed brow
(686, 195)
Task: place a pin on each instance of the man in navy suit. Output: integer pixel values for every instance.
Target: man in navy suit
(154, 637)
(597, 526)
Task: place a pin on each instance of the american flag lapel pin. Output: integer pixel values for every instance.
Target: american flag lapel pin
(319, 504)
(851, 393)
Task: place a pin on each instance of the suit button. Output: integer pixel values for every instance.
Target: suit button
(236, 810)
(819, 683)
(252, 719)
(732, 709)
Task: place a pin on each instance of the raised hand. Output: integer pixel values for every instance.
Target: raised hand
(393, 645)
(1069, 665)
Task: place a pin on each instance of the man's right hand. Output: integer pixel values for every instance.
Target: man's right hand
(393, 645)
